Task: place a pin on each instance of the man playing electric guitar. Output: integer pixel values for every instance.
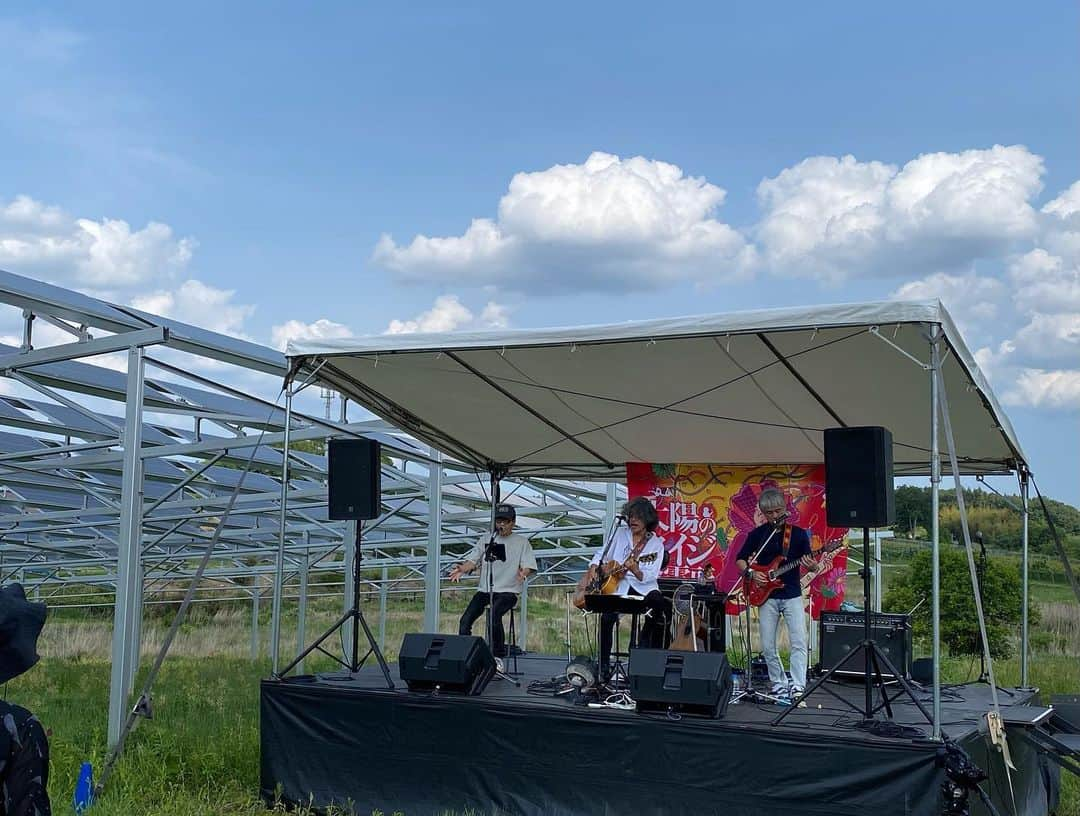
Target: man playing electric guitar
(641, 553)
(764, 544)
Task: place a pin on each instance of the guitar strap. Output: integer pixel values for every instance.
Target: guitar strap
(787, 540)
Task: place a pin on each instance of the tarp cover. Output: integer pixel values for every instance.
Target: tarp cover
(372, 750)
(747, 388)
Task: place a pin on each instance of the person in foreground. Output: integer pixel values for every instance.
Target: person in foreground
(504, 578)
(775, 538)
(636, 549)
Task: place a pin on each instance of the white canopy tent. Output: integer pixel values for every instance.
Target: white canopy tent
(753, 387)
(747, 388)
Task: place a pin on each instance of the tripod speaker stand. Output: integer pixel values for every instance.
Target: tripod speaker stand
(873, 660)
(355, 482)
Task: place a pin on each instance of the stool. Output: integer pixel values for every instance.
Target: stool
(512, 650)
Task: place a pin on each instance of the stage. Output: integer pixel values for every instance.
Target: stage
(347, 740)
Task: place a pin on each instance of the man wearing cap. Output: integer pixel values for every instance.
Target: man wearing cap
(504, 578)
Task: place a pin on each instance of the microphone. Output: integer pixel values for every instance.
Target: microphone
(780, 520)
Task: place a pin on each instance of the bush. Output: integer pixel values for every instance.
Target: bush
(1001, 595)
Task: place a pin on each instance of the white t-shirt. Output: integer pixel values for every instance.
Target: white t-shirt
(620, 550)
(519, 554)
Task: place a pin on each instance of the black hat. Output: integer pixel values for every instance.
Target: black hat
(505, 511)
(20, 625)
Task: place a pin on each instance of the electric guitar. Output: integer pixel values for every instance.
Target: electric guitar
(757, 593)
(607, 578)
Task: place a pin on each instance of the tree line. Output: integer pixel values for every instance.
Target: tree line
(988, 513)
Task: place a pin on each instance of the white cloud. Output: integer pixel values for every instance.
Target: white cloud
(321, 329)
(1045, 283)
(1053, 338)
(495, 315)
(1066, 205)
(968, 297)
(1045, 389)
(198, 304)
(840, 218)
(607, 223)
(43, 241)
(449, 314)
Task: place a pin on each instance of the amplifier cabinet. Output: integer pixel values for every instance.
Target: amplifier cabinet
(842, 632)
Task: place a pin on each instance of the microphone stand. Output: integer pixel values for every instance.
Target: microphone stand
(494, 552)
(749, 690)
(615, 525)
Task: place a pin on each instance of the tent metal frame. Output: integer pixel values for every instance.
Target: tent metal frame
(334, 364)
(101, 507)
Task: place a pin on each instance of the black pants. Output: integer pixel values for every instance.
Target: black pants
(653, 628)
(504, 602)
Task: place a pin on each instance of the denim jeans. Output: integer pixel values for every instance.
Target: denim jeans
(769, 618)
(504, 602)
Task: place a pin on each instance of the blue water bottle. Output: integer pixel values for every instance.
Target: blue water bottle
(84, 788)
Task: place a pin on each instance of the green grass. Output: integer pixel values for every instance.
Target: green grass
(1047, 592)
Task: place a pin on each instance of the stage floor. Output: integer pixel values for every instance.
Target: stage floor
(340, 738)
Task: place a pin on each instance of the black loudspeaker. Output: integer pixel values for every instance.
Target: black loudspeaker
(859, 477)
(457, 663)
(355, 476)
(841, 632)
(688, 682)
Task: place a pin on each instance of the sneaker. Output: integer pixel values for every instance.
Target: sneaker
(796, 691)
(779, 691)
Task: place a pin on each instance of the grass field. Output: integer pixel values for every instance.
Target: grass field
(199, 754)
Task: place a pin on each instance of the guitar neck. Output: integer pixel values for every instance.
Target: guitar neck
(792, 564)
(787, 567)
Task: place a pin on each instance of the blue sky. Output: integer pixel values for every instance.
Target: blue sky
(239, 168)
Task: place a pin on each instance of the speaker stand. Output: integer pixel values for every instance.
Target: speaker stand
(873, 659)
(357, 617)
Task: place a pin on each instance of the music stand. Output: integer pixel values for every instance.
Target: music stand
(632, 605)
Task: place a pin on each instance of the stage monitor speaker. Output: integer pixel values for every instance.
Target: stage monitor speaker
(355, 477)
(687, 682)
(859, 477)
(841, 632)
(455, 663)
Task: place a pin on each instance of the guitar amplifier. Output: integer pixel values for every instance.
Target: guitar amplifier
(842, 632)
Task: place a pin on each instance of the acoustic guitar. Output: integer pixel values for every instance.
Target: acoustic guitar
(757, 593)
(606, 580)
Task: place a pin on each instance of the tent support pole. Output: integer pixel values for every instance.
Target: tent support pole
(279, 564)
(432, 576)
(1024, 566)
(935, 532)
(128, 551)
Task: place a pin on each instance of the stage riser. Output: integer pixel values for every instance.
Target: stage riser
(425, 754)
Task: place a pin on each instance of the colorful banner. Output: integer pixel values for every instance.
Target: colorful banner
(706, 512)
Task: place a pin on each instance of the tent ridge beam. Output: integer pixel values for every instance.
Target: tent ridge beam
(802, 380)
(521, 404)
